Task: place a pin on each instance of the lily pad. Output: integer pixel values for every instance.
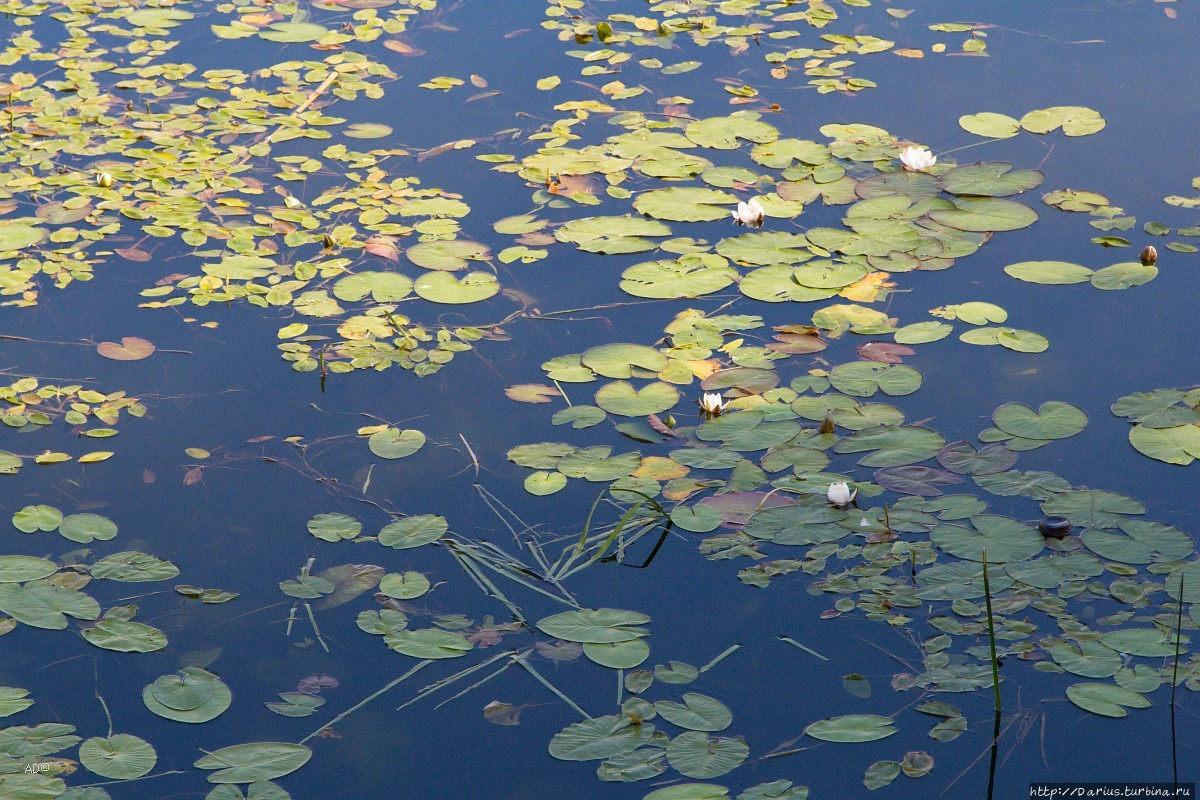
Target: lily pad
(852, 728)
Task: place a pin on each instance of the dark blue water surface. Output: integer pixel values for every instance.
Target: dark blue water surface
(241, 527)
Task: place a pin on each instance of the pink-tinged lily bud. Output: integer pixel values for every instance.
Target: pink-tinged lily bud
(1149, 255)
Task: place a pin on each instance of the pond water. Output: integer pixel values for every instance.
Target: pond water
(353, 360)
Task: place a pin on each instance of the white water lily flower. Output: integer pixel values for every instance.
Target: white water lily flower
(917, 158)
(104, 180)
(712, 405)
(840, 494)
(751, 213)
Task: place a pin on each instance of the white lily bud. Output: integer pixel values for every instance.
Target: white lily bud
(104, 180)
(917, 159)
(751, 213)
(712, 404)
(840, 494)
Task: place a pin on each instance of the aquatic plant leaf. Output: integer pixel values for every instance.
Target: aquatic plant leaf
(620, 360)
(85, 528)
(963, 458)
(1146, 642)
(595, 626)
(121, 757)
(394, 443)
(334, 527)
(348, 581)
(775, 790)
(697, 755)
(542, 483)
(1093, 508)
(990, 124)
(617, 655)
(1179, 444)
(679, 278)
(961, 580)
(1049, 272)
(723, 133)
(442, 287)
(921, 481)
(923, 332)
(186, 690)
(19, 569)
(990, 179)
(1141, 542)
(125, 637)
(689, 791)
(985, 214)
(1039, 485)
(1089, 659)
(383, 287)
(1052, 420)
(257, 761)
(698, 712)
(413, 531)
(428, 643)
(612, 235)
(1001, 538)
(685, 204)
(13, 700)
(864, 378)
(133, 567)
(1054, 570)
(881, 774)
(851, 728)
(622, 399)
(1105, 699)
(894, 447)
(31, 519)
(676, 672)
(43, 605)
(1074, 120)
(600, 738)
(131, 348)
(1124, 275)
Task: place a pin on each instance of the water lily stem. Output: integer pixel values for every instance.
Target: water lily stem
(368, 699)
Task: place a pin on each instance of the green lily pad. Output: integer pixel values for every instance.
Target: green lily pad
(985, 214)
(622, 399)
(413, 531)
(448, 255)
(617, 655)
(595, 626)
(685, 204)
(19, 569)
(852, 728)
(442, 287)
(121, 757)
(600, 738)
(990, 179)
(697, 755)
(394, 443)
(1053, 420)
(428, 643)
(384, 287)
(1074, 120)
(1049, 272)
(85, 528)
(1105, 699)
(125, 637)
(258, 761)
(1001, 538)
(698, 712)
(990, 124)
(293, 32)
(612, 235)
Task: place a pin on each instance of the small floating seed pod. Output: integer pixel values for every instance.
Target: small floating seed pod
(1055, 527)
(1149, 255)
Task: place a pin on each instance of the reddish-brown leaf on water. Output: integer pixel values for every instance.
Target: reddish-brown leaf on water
(884, 352)
(131, 348)
(382, 246)
(193, 476)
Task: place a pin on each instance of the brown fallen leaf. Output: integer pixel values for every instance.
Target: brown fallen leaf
(131, 348)
(884, 352)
